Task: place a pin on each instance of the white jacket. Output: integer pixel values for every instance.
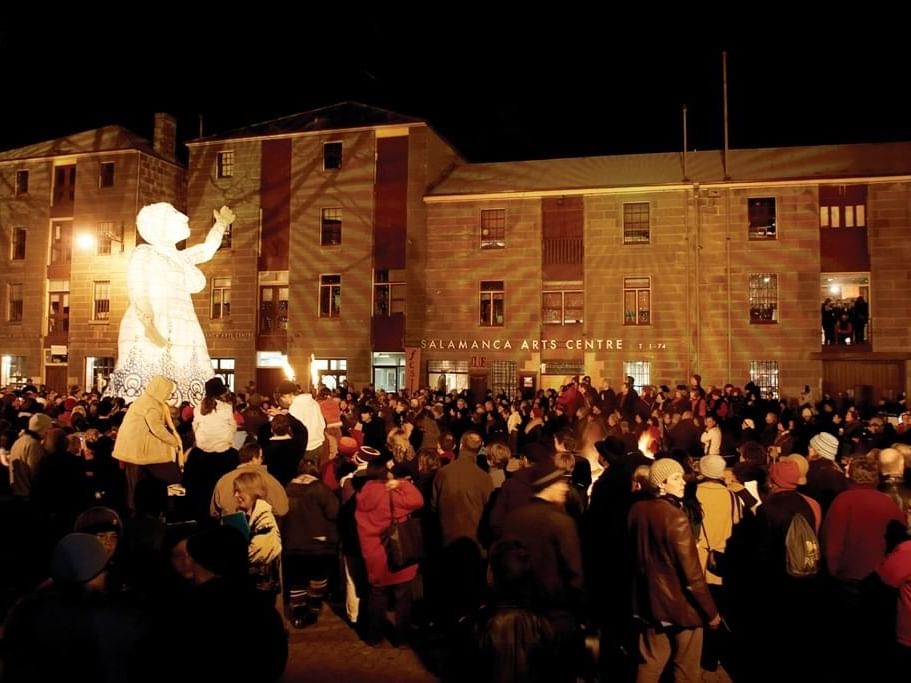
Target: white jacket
(305, 409)
(215, 431)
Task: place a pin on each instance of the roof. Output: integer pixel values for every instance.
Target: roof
(106, 139)
(334, 117)
(638, 170)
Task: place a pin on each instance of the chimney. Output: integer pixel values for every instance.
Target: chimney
(164, 141)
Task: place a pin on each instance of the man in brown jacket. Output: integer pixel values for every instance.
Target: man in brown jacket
(670, 596)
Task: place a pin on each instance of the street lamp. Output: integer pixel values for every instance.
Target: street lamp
(87, 241)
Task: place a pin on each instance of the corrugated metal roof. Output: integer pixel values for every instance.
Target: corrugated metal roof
(638, 170)
(334, 117)
(106, 139)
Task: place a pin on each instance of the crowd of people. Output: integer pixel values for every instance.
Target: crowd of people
(587, 533)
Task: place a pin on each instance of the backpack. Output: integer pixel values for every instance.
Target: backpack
(802, 556)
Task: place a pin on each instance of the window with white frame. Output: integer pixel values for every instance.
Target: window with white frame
(104, 237)
(101, 308)
(12, 370)
(636, 226)
(562, 303)
(273, 309)
(21, 182)
(388, 292)
(224, 368)
(493, 228)
(221, 298)
(17, 246)
(106, 174)
(637, 301)
(224, 164)
(492, 303)
(332, 156)
(58, 307)
(330, 296)
(764, 374)
(330, 227)
(14, 303)
(639, 370)
(98, 371)
(763, 298)
(61, 242)
(761, 212)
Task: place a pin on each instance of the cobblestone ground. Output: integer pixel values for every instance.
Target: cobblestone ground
(330, 651)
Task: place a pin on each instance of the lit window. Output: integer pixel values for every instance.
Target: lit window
(762, 218)
(102, 301)
(106, 174)
(14, 299)
(221, 298)
(224, 368)
(332, 156)
(493, 228)
(330, 296)
(636, 223)
(224, 164)
(330, 231)
(639, 370)
(493, 301)
(764, 374)
(637, 301)
(763, 298)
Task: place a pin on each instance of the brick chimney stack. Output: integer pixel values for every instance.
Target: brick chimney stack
(164, 140)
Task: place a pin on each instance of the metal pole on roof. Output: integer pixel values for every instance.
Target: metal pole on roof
(724, 76)
(685, 177)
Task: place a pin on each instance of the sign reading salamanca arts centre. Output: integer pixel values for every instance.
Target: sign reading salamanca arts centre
(537, 345)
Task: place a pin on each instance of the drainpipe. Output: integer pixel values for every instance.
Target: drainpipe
(698, 262)
(727, 270)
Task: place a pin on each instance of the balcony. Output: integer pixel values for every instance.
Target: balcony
(844, 343)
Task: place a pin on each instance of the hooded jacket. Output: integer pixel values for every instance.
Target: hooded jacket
(146, 436)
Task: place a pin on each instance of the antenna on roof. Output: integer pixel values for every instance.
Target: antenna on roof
(685, 177)
(200, 125)
(724, 77)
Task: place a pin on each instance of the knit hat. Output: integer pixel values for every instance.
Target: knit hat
(98, 519)
(347, 446)
(215, 387)
(785, 474)
(545, 474)
(222, 550)
(78, 558)
(802, 464)
(662, 469)
(39, 423)
(825, 444)
(712, 466)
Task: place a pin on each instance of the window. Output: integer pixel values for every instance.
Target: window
(12, 371)
(61, 242)
(504, 378)
(224, 164)
(764, 374)
(14, 299)
(637, 301)
(17, 248)
(58, 309)
(227, 237)
(102, 299)
(843, 206)
(388, 371)
(331, 371)
(636, 223)
(562, 306)
(21, 182)
(388, 293)
(332, 155)
(224, 368)
(493, 228)
(639, 370)
(447, 375)
(106, 174)
(98, 371)
(103, 234)
(763, 298)
(330, 296)
(330, 229)
(273, 309)
(493, 299)
(64, 184)
(762, 218)
(221, 298)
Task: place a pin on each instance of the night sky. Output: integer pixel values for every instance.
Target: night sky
(498, 88)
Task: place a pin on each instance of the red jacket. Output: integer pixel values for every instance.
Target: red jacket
(373, 518)
(895, 571)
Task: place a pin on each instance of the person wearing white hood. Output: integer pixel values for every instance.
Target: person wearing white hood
(307, 410)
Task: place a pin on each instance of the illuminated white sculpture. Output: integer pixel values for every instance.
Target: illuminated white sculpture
(159, 333)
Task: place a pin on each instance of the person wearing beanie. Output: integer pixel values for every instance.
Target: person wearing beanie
(803, 466)
(670, 596)
(825, 479)
(27, 455)
(147, 440)
(823, 445)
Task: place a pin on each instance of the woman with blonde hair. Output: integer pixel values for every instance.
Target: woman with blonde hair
(402, 451)
(265, 545)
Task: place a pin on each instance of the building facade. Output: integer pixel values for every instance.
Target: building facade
(67, 221)
(366, 249)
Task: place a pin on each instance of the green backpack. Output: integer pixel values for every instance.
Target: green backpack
(802, 557)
